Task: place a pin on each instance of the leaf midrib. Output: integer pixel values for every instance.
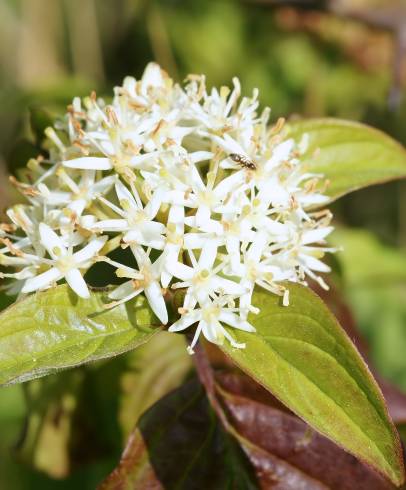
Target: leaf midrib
(359, 366)
(101, 337)
(334, 401)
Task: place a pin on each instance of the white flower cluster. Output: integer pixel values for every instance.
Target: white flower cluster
(205, 194)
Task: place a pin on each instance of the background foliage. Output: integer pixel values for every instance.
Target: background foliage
(324, 60)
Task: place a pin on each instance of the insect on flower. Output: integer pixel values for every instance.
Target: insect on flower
(243, 161)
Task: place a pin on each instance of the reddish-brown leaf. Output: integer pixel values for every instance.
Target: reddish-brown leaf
(285, 436)
(179, 444)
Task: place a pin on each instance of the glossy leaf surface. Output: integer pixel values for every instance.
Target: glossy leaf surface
(55, 329)
(302, 355)
(349, 154)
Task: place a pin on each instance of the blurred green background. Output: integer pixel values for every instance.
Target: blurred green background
(311, 58)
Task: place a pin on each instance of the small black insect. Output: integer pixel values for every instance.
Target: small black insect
(243, 161)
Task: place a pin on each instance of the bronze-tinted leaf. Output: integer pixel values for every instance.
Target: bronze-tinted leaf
(179, 444)
(284, 435)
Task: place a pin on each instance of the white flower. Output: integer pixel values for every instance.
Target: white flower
(174, 240)
(78, 195)
(65, 263)
(145, 279)
(210, 317)
(207, 197)
(136, 221)
(202, 279)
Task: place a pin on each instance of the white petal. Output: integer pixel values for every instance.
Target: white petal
(122, 291)
(124, 194)
(208, 255)
(56, 198)
(152, 77)
(311, 199)
(316, 235)
(90, 250)
(149, 234)
(281, 152)
(51, 241)
(196, 179)
(87, 221)
(77, 206)
(111, 225)
(42, 281)
(196, 240)
(176, 214)
(77, 283)
(229, 144)
(150, 157)
(89, 163)
(180, 271)
(154, 203)
(245, 300)
(314, 264)
(179, 132)
(166, 278)
(185, 321)
(103, 185)
(156, 301)
(229, 287)
(200, 156)
(230, 184)
(235, 321)
(210, 226)
(233, 249)
(212, 331)
(202, 216)
(257, 247)
(141, 257)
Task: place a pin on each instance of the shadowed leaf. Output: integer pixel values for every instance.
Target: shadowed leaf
(284, 435)
(178, 443)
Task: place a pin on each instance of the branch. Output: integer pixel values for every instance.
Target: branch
(206, 377)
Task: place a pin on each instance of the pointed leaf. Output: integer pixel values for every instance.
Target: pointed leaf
(302, 355)
(349, 154)
(55, 329)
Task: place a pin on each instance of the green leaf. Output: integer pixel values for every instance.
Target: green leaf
(301, 354)
(55, 329)
(349, 154)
